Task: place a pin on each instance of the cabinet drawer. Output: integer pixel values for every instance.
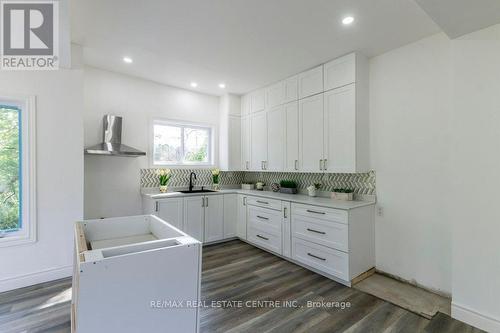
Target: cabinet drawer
(327, 260)
(264, 202)
(268, 240)
(323, 213)
(267, 218)
(327, 233)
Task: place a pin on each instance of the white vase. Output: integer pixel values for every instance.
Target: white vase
(163, 188)
(311, 192)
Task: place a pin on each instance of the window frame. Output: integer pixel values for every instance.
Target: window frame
(28, 231)
(168, 122)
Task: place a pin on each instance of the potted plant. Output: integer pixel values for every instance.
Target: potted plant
(215, 178)
(164, 177)
(260, 186)
(312, 189)
(343, 194)
(288, 186)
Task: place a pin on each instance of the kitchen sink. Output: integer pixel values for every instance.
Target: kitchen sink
(197, 191)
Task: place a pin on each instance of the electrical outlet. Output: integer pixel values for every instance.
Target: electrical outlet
(380, 211)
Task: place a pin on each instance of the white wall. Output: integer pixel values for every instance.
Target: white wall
(435, 122)
(112, 183)
(409, 110)
(475, 185)
(59, 126)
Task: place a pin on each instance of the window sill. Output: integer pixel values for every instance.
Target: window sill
(16, 239)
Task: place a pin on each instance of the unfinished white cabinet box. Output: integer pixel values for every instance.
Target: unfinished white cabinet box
(126, 268)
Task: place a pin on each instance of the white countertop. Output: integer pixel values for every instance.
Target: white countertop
(298, 198)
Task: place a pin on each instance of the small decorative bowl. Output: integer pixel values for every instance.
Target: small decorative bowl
(275, 187)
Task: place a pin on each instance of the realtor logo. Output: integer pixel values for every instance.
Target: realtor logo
(29, 35)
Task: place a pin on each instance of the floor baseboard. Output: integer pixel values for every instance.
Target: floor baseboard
(26, 280)
(475, 318)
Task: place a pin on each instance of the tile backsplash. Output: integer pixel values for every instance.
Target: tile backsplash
(361, 183)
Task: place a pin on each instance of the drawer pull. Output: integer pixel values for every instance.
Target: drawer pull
(265, 238)
(262, 217)
(316, 231)
(312, 255)
(315, 212)
(263, 202)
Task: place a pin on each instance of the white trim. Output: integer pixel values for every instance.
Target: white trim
(212, 148)
(30, 279)
(474, 318)
(28, 233)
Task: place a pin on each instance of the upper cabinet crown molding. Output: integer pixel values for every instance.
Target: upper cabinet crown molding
(311, 82)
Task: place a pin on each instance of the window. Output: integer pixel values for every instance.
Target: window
(17, 194)
(181, 144)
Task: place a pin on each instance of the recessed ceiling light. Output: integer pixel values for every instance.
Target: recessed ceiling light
(194, 84)
(222, 85)
(127, 60)
(347, 20)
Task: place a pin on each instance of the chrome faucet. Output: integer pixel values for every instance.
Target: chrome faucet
(191, 180)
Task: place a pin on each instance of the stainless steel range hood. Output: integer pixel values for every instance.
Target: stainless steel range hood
(112, 140)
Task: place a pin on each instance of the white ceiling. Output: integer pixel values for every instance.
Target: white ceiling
(246, 44)
(459, 17)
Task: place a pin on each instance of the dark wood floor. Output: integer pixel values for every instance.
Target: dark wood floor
(236, 271)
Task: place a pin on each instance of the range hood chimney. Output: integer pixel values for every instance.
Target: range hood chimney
(112, 140)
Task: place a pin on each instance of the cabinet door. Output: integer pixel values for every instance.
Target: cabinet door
(275, 139)
(275, 94)
(311, 133)
(245, 143)
(287, 230)
(230, 215)
(291, 89)
(311, 82)
(171, 211)
(241, 227)
(340, 72)
(194, 217)
(292, 136)
(340, 130)
(234, 143)
(258, 141)
(257, 101)
(214, 218)
(245, 105)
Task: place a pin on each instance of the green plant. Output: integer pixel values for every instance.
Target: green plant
(317, 185)
(343, 190)
(288, 184)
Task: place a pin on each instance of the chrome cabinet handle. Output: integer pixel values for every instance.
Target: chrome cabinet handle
(262, 165)
(263, 202)
(244, 201)
(202, 202)
(312, 255)
(206, 202)
(246, 165)
(156, 206)
(296, 162)
(315, 212)
(265, 238)
(262, 217)
(284, 212)
(320, 164)
(324, 164)
(316, 231)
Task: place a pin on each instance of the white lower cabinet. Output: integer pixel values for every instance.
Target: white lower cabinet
(241, 225)
(214, 218)
(230, 215)
(287, 230)
(194, 215)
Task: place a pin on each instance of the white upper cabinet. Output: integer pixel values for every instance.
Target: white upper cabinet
(291, 89)
(234, 143)
(311, 133)
(258, 141)
(245, 143)
(340, 129)
(275, 139)
(340, 72)
(275, 95)
(311, 82)
(245, 104)
(257, 101)
(292, 136)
